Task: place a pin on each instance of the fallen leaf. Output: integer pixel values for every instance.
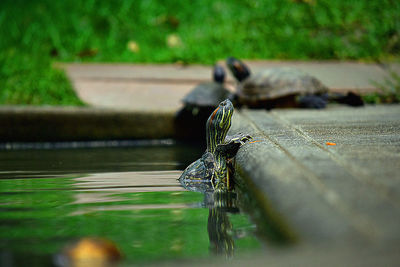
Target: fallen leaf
(90, 52)
(173, 40)
(310, 2)
(91, 251)
(171, 21)
(133, 47)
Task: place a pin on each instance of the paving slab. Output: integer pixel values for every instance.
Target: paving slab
(344, 193)
(132, 95)
(161, 87)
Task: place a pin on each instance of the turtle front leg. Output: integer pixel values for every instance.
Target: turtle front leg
(238, 138)
(312, 101)
(232, 145)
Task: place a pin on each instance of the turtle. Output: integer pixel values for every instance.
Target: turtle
(282, 87)
(212, 168)
(207, 95)
(199, 103)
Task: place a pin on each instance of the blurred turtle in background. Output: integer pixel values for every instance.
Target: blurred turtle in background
(199, 103)
(282, 87)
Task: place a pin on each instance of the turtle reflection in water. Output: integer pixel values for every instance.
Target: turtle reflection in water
(219, 228)
(212, 166)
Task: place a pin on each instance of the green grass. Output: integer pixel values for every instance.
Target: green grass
(389, 90)
(37, 33)
(28, 80)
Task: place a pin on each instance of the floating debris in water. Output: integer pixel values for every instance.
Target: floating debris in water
(89, 251)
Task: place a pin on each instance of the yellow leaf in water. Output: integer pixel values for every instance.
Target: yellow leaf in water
(173, 40)
(133, 46)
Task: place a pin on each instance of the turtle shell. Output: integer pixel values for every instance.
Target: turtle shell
(275, 83)
(206, 95)
(198, 175)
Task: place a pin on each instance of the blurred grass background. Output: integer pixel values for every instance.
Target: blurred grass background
(36, 33)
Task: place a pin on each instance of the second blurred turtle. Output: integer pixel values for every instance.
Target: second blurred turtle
(282, 88)
(190, 121)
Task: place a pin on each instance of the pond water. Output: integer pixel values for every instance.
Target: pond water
(128, 195)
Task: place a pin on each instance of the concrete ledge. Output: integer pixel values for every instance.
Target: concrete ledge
(81, 123)
(343, 194)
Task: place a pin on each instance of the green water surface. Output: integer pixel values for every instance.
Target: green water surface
(45, 205)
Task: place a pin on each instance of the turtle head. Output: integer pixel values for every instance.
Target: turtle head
(238, 68)
(218, 124)
(218, 74)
